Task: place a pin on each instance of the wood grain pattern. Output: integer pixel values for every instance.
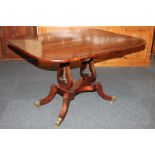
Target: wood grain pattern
(141, 58)
(1, 52)
(78, 44)
(1, 55)
(153, 46)
(136, 59)
(9, 32)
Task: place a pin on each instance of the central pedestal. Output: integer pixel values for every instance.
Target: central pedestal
(69, 89)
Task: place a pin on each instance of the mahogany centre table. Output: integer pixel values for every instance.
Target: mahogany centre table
(65, 47)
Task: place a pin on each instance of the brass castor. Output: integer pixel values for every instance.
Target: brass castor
(58, 122)
(114, 98)
(37, 104)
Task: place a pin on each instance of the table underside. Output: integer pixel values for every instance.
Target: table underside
(69, 88)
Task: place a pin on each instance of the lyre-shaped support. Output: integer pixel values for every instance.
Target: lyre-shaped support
(87, 70)
(69, 89)
(64, 77)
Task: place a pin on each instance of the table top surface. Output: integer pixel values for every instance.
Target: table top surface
(78, 44)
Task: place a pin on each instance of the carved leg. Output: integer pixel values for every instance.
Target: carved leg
(64, 109)
(87, 88)
(88, 74)
(68, 88)
(100, 91)
(52, 93)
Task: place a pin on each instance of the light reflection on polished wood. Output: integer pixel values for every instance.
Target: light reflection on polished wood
(82, 45)
(74, 45)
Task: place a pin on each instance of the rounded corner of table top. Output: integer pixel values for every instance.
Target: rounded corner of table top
(75, 45)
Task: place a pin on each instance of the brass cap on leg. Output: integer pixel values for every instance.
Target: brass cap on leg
(37, 103)
(58, 122)
(114, 98)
